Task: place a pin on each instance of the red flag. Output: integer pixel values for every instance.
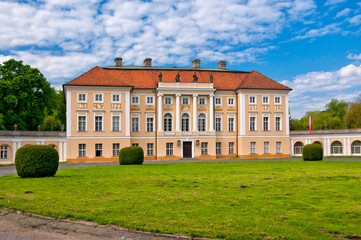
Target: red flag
(310, 123)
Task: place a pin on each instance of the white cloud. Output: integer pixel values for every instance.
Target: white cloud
(344, 12)
(333, 2)
(356, 20)
(328, 29)
(354, 56)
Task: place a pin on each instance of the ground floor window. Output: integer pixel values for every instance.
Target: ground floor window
(231, 148)
(297, 149)
(4, 152)
(204, 148)
(82, 150)
(356, 147)
(169, 149)
(218, 147)
(135, 144)
(253, 147)
(278, 147)
(266, 147)
(150, 149)
(336, 147)
(115, 149)
(98, 149)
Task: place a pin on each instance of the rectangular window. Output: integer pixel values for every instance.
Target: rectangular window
(135, 144)
(266, 147)
(252, 123)
(116, 123)
(135, 100)
(204, 148)
(202, 101)
(81, 123)
(98, 149)
(265, 123)
(253, 147)
(98, 123)
(115, 149)
(231, 101)
(82, 150)
(150, 124)
(231, 124)
(231, 148)
(135, 124)
(218, 101)
(185, 100)
(169, 149)
(265, 100)
(218, 123)
(278, 123)
(4, 152)
(277, 100)
(218, 148)
(252, 100)
(98, 97)
(115, 98)
(150, 149)
(150, 100)
(278, 147)
(81, 97)
(168, 100)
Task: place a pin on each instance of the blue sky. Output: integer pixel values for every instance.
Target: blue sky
(311, 46)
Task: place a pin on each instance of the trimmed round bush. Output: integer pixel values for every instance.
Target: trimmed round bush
(131, 155)
(312, 152)
(33, 161)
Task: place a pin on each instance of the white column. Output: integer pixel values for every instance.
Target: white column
(65, 152)
(178, 120)
(60, 151)
(292, 153)
(14, 151)
(242, 113)
(160, 112)
(324, 147)
(349, 146)
(287, 117)
(19, 144)
(195, 117)
(344, 147)
(127, 114)
(328, 147)
(68, 113)
(211, 112)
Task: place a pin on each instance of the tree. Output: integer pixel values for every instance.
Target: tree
(24, 95)
(337, 108)
(353, 115)
(55, 116)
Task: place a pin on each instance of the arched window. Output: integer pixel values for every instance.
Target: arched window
(185, 122)
(297, 148)
(168, 122)
(319, 143)
(356, 147)
(336, 147)
(202, 122)
(4, 152)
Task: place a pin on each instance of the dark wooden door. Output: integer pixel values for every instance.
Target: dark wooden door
(187, 149)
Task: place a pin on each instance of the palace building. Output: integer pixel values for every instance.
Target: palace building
(175, 113)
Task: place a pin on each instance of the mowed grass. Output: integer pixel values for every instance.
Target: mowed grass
(232, 200)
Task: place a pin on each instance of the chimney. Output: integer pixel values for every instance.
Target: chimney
(147, 62)
(222, 64)
(118, 62)
(196, 63)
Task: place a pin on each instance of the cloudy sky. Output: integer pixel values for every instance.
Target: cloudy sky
(311, 46)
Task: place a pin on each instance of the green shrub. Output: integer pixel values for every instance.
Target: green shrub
(312, 152)
(36, 161)
(131, 155)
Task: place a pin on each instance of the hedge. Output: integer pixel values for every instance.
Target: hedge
(312, 152)
(36, 161)
(131, 155)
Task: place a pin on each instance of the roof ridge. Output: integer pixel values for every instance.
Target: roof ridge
(244, 80)
(171, 69)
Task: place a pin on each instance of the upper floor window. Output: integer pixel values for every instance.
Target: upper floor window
(116, 123)
(252, 100)
(202, 122)
(202, 101)
(150, 124)
(135, 124)
(135, 99)
(218, 124)
(81, 123)
(278, 123)
(116, 98)
(277, 100)
(81, 97)
(98, 97)
(185, 122)
(185, 100)
(265, 100)
(150, 100)
(252, 123)
(168, 100)
(98, 123)
(265, 123)
(218, 101)
(231, 124)
(168, 122)
(231, 101)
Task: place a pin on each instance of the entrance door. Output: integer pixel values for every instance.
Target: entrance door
(187, 149)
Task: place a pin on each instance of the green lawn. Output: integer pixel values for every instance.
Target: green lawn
(232, 200)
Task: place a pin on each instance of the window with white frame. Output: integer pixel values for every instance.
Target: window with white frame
(98, 97)
(82, 150)
(135, 124)
(202, 122)
(169, 149)
(150, 124)
(168, 119)
(81, 97)
(150, 147)
(116, 123)
(150, 100)
(278, 123)
(168, 100)
(230, 101)
(115, 98)
(231, 124)
(277, 100)
(218, 101)
(252, 99)
(4, 152)
(336, 147)
(278, 147)
(135, 100)
(202, 101)
(81, 123)
(265, 100)
(98, 123)
(356, 147)
(266, 147)
(218, 147)
(185, 122)
(253, 147)
(265, 123)
(135, 144)
(231, 148)
(185, 100)
(297, 148)
(204, 148)
(218, 123)
(252, 123)
(115, 149)
(98, 149)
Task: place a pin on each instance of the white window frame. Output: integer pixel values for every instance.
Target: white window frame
(188, 100)
(189, 122)
(169, 149)
(280, 123)
(101, 94)
(138, 123)
(280, 100)
(202, 98)
(278, 147)
(4, 152)
(339, 151)
(355, 148)
(229, 148)
(215, 125)
(77, 122)
(116, 150)
(233, 124)
(82, 101)
(215, 101)
(255, 123)
(253, 148)
(120, 122)
(172, 123)
(149, 97)
(268, 123)
(150, 149)
(133, 102)
(263, 98)
(146, 123)
(82, 150)
(116, 94)
(99, 115)
(266, 147)
(255, 99)
(233, 100)
(101, 149)
(165, 100)
(204, 148)
(205, 122)
(218, 148)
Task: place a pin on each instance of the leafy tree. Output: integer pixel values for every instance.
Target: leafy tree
(56, 114)
(24, 95)
(337, 108)
(353, 115)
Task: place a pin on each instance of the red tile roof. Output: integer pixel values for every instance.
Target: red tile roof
(147, 78)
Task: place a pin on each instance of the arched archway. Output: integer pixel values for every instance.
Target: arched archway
(336, 147)
(318, 142)
(356, 147)
(168, 119)
(297, 148)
